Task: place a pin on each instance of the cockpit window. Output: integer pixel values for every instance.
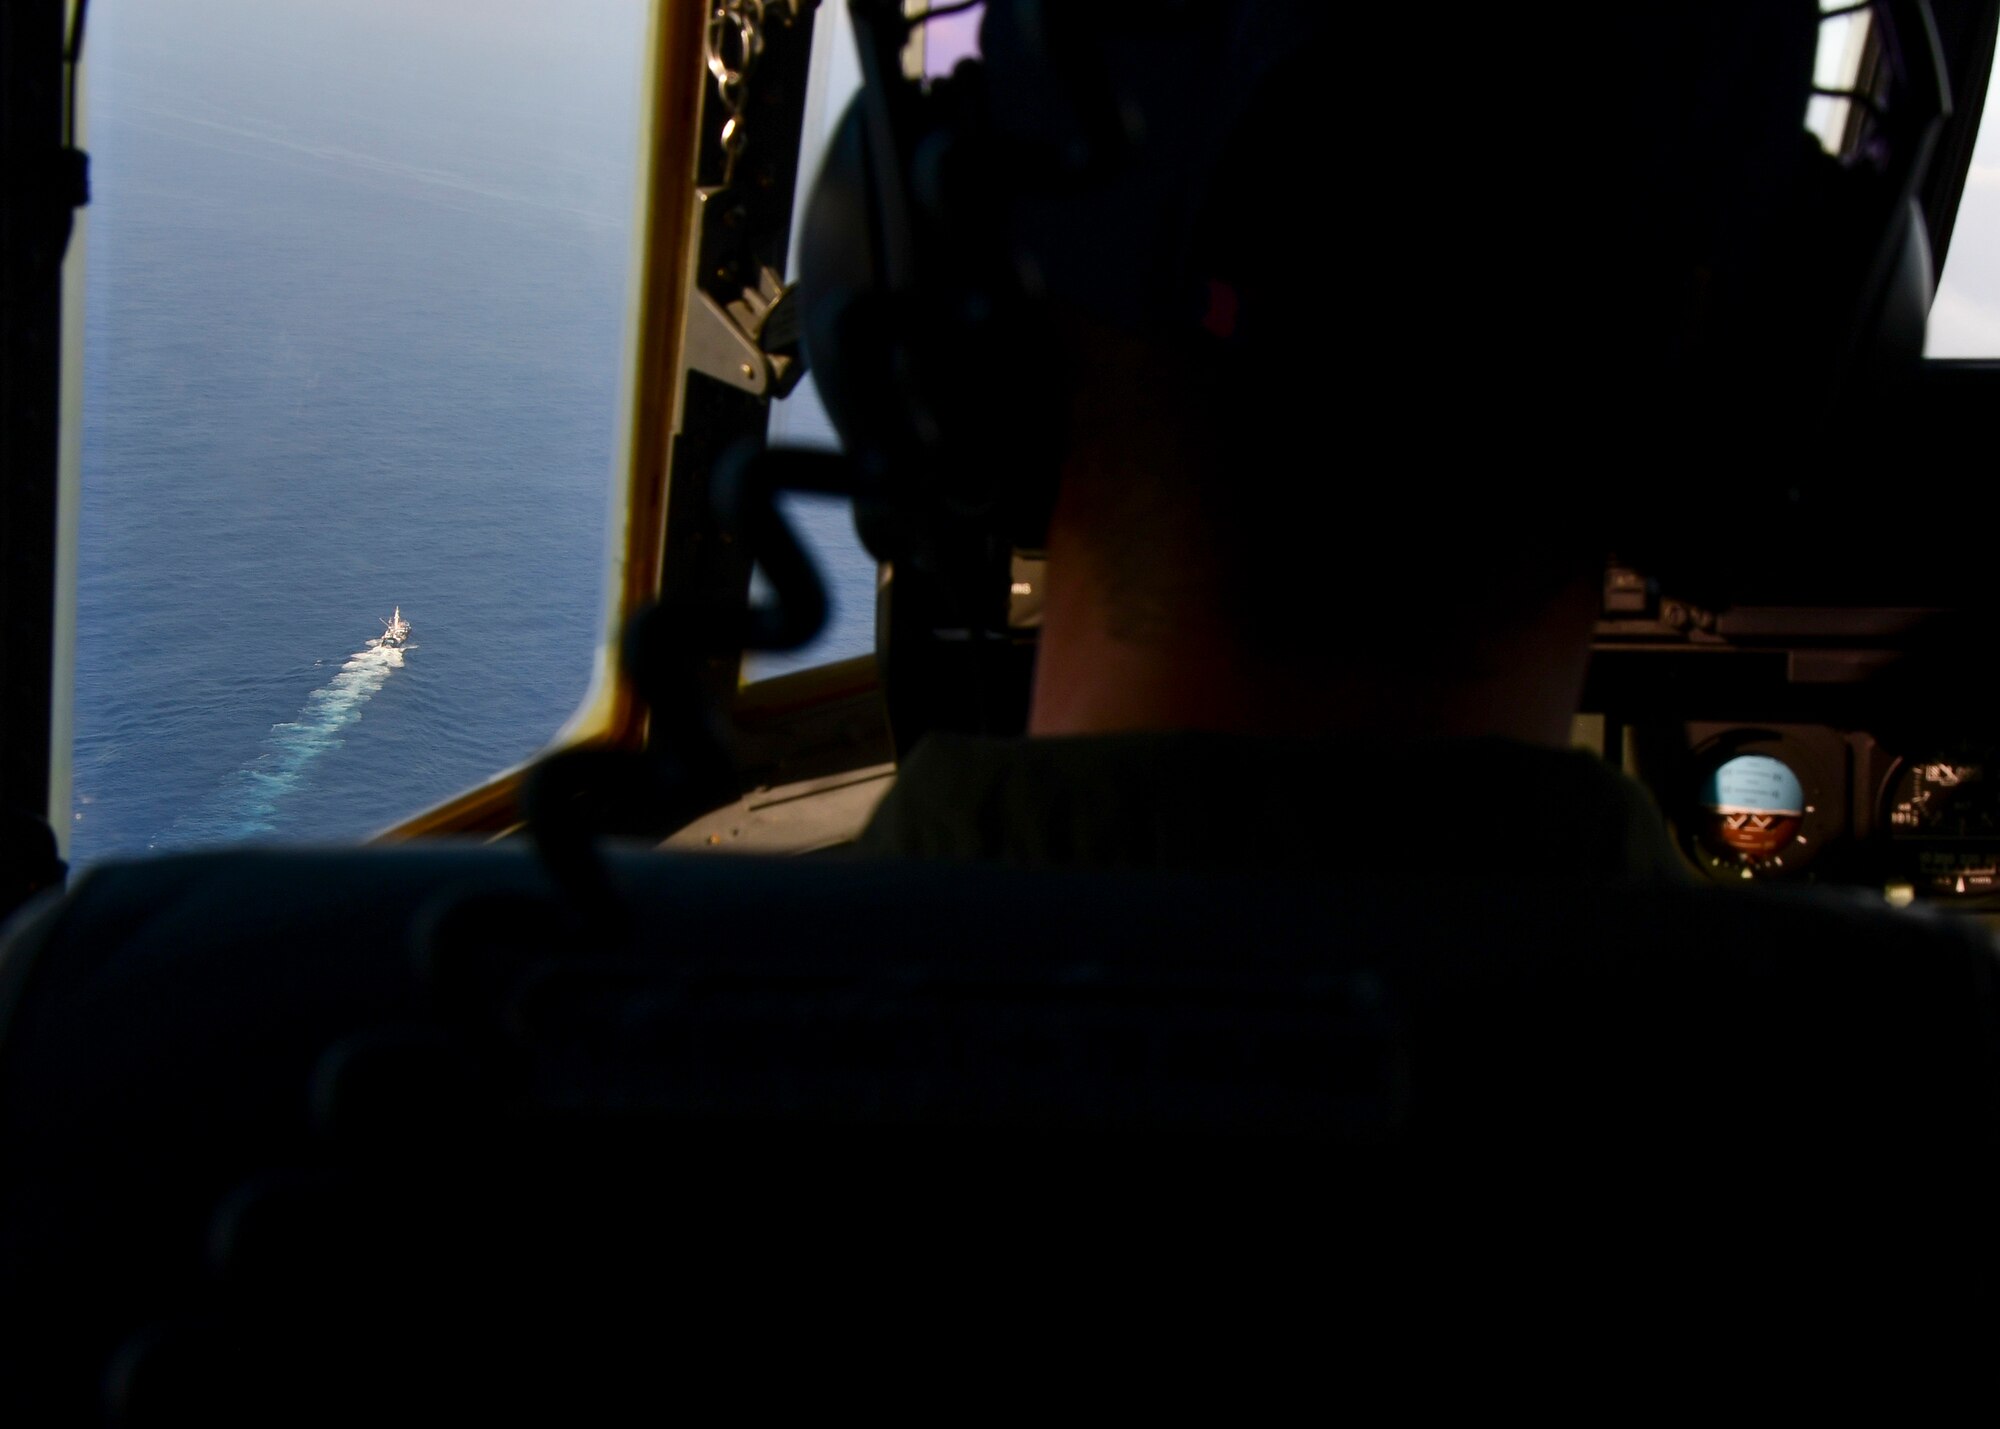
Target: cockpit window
(1843, 46)
(1965, 315)
(356, 287)
(950, 38)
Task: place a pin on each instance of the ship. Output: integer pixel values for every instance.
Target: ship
(395, 633)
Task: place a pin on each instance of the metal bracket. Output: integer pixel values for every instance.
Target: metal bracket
(728, 342)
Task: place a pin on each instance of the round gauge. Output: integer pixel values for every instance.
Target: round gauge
(1943, 817)
(1765, 803)
(1753, 814)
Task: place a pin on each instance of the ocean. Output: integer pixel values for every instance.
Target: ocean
(357, 279)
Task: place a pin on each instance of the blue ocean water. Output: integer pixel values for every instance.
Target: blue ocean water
(356, 284)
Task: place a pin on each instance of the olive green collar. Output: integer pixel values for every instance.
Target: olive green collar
(1443, 810)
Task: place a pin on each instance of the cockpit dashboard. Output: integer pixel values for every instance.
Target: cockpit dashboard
(1845, 745)
(1915, 819)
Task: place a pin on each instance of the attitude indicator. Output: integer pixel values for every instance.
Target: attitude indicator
(1753, 815)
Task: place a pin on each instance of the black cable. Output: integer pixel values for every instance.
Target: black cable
(938, 12)
(1855, 96)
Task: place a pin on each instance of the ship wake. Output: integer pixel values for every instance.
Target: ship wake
(250, 800)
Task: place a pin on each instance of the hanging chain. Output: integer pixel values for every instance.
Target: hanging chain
(735, 44)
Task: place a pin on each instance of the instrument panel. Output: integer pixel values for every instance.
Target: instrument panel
(1915, 818)
(1850, 743)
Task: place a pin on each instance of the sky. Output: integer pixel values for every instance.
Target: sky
(1965, 318)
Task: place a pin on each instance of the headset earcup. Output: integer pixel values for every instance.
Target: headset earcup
(946, 391)
(839, 279)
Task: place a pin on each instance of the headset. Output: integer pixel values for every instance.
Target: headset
(1106, 158)
(952, 216)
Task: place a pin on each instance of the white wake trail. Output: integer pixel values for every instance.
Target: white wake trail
(249, 802)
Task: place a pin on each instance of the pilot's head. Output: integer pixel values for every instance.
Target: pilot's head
(1357, 327)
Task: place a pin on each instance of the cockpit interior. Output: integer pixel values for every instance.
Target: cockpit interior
(623, 1077)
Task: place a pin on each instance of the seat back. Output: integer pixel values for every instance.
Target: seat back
(411, 1117)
